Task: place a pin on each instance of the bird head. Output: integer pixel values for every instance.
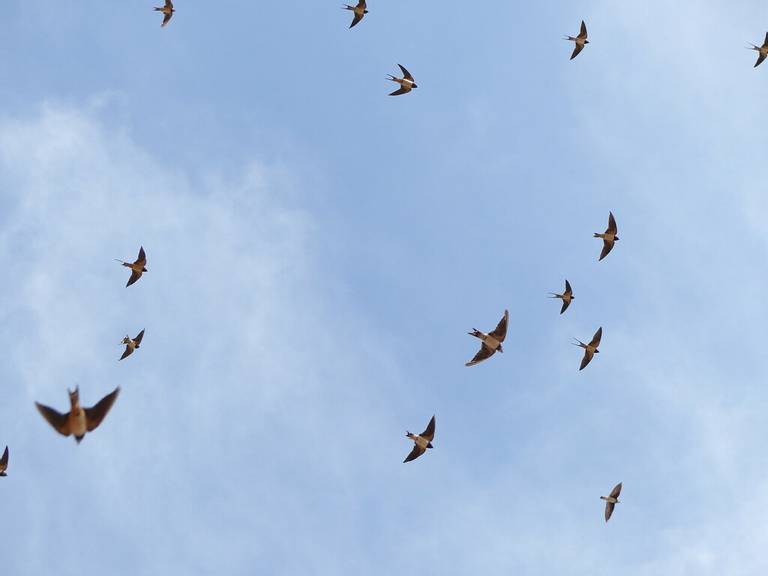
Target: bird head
(430, 445)
(500, 349)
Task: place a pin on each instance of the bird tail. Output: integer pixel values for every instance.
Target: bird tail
(158, 9)
(751, 46)
(553, 295)
(476, 333)
(596, 235)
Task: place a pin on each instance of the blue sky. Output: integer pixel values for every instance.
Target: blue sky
(317, 252)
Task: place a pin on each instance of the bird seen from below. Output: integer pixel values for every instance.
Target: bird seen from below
(491, 343)
(360, 10)
(137, 268)
(78, 420)
(611, 500)
(167, 11)
(762, 51)
(407, 82)
(567, 297)
(609, 236)
(131, 344)
(589, 349)
(580, 40)
(421, 441)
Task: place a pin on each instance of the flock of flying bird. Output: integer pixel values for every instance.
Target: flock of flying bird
(78, 420)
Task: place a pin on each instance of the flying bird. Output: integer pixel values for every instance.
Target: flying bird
(491, 342)
(762, 51)
(78, 420)
(137, 268)
(407, 82)
(4, 463)
(421, 441)
(566, 296)
(360, 11)
(611, 500)
(609, 236)
(167, 10)
(590, 349)
(580, 40)
(131, 344)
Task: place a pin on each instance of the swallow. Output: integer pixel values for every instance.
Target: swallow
(589, 349)
(421, 441)
(360, 11)
(4, 463)
(761, 50)
(78, 420)
(609, 236)
(131, 345)
(580, 40)
(407, 82)
(167, 10)
(137, 268)
(611, 500)
(566, 296)
(491, 342)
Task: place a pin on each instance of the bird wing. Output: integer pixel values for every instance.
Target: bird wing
(609, 506)
(402, 90)
(362, 4)
(134, 276)
(500, 332)
(169, 4)
(429, 433)
(59, 421)
(356, 19)
(616, 491)
(128, 352)
(566, 303)
(415, 453)
(765, 42)
(406, 74)
(95, 414)
(139, 337)
(578, 48)
(596, 338)
(4, 461)
(568, 289)
(587, 359)
(483, 354)
(583, 31)
(166, 19)
(607, 247)
(760, 58)
(612, 228)
(142, 259)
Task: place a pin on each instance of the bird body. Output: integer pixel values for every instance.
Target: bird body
(131, 344)
(167, 10)
(421, 442)
(78, 421)
(611, 500)
(609, 237)
(138, 267)
(580, 41)
(407, 82)
(360, 10)
(590, 349)
(491, 343)
(567, 297)
(762, 51)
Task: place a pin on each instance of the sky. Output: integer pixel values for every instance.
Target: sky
(317, 252)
